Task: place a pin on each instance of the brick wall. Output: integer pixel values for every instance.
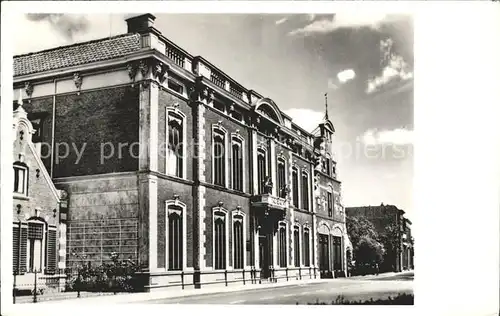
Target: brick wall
(93, 119)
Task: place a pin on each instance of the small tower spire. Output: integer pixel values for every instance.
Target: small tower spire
(326, 106)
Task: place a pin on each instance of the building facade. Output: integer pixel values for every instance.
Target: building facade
(391, 221)
(39, 230)
(171, 163)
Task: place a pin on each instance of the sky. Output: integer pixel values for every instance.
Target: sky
(364, 62)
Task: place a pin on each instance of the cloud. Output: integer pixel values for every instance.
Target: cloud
(281, 21)
(305, 118)
(346, 75)
(395, 68)
(67, 25)
(341, 20)
(399, 136)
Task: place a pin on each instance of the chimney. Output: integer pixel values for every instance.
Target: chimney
(141, 23)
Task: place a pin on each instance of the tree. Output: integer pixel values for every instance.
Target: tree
(391, 239)
(367, 248)
(369, 251)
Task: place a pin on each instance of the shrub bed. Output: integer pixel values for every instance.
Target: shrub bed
(401, 299)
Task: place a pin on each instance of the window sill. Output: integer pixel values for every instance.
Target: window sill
(20, 196)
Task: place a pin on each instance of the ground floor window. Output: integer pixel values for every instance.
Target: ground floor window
(238, 242)
(282, 245)
(306, 247)
(296, 245)
(219, 240)
(175, 237)
(34, 247)
(337, 250)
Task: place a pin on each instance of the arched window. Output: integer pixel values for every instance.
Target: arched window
(295, 186)
(305, 191)
(261, 169)
(219, 157)
(306, 241)
(175, 237)
(282, 245)
(220, 245)
(337, 251)
(281, 177)
(238, 242)
(20, 178)
(296, 245)
(237, 163)
(175, 138)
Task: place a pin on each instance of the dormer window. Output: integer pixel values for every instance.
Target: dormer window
(20, 178)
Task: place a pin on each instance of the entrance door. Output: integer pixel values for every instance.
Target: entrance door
(323, 253)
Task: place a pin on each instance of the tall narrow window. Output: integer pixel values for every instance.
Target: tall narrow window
(296, 245)
(281, 178)
(237, 164)
(306, 247)
(35, 238)
(20, 178)
(175, 154)
(330, 204)
(295, 186)
(305, 191)
(219, 240)
(175, 238)
(282, 246)
(337, 249)
(327, 166)
(238, 241)
(219, 159)
(261, 169)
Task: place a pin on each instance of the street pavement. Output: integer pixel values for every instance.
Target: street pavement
(362, 288)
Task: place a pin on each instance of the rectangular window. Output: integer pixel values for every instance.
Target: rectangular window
(330, 204)
(306, 247)
(282, 246)
(219, 106)
(261, 170)
(175, 86)
(20, 179)
(175, 145)
(327, 166)
(295, 187)
(305, 191)
(281, 179)
(237, 165)
(296, 244)
(175, 236)
(219, 241)
(238, 242)
(219, 160)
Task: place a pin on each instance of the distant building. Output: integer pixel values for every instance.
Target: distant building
(224, 183)
(39, 230)
(381, 217)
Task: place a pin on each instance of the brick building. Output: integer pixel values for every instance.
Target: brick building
(382, 217)
(39, 231)
(171, 163)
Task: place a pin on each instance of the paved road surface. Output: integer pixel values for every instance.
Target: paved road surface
(351, 289)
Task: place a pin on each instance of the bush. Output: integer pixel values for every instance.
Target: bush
(401, 299)
(108, 277)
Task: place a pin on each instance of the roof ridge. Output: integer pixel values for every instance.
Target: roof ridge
(75, 44)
